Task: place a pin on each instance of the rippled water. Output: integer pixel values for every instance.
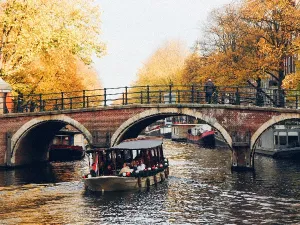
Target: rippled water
(201, 189)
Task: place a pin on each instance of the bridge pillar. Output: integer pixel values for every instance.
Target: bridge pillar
(241, 152)
(8, 150)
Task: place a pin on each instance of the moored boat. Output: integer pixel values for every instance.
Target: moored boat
(280, 141)
(203, 135)
(148, 166)
(61, 152)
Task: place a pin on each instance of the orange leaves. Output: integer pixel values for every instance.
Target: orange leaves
(164, 66)
(43, 41)
(250, 40)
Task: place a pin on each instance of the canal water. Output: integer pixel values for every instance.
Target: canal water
(201, 189)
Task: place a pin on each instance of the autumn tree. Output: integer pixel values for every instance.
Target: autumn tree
(43, 42)
(249, 41)
(229, 49)
(164, 65)
(276, 26)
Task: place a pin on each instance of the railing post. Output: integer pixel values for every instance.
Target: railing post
(281, 98)
(41, 103)
(192, 93)
(126, 95)
(141, 97)
(178, 96)
(123, 98)
(170, 93)
(83, 98)
(105, 97)
(237, 97)
(148, 94)
(159, 96)
(71, 103)
(19, 103)
(297, 101)
(87, 101)
(56, 105)
(62, 100)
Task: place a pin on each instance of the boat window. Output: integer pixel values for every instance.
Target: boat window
(282, 140)
(276, 139)
(127, 156)
(293, 141)
(134, 154)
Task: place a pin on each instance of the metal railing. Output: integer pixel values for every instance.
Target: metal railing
(159, 94)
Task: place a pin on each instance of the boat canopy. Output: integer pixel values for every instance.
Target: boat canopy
(138, 144)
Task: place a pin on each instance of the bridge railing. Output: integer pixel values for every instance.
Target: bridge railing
(158, 94)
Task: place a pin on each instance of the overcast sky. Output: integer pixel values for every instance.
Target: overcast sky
(134, 29)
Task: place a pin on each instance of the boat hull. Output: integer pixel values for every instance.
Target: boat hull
(65, 153)
(292, 153)
(117, 183)
(206, 140)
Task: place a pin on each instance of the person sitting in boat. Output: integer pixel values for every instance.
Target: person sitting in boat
(141, 166)
(134, 165)
(93, 170)
(108, 170)
(125, 169)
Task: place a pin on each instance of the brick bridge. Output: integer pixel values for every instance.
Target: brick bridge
(25, 136)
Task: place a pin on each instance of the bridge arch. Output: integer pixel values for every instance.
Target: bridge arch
(274, 120)
(156, 113)
(41, 131)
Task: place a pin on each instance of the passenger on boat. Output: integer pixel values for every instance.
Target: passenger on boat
(134, 165)
(108, 170)
(93, 170)
(141, 166)
(125, 169)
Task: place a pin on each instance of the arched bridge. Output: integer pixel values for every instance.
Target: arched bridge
(27, 133)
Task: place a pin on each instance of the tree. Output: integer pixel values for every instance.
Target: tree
(250, 41)
(276, 26)
(164, 66)
(229, 49)
(36, 34)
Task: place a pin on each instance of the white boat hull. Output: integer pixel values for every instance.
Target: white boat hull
(117, 183)
(280, 153)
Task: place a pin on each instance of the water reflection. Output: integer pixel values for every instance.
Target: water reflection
(52, 172)
(201, 189)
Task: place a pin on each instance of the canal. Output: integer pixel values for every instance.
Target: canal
(201, 189)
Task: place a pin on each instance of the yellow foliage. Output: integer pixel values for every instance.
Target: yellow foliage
(42, 42)
(247, 41)
(164, 66)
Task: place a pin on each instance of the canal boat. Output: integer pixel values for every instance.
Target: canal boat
(202, 134)
(153, 130)
(66, 147)
(61, 152)
(280, 141)
(132, 165)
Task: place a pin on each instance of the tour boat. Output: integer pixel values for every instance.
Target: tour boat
(107, 164)
(280, 141)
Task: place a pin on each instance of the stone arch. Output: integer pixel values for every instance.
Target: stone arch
(269, 123)
(116, 137)
(17, 136)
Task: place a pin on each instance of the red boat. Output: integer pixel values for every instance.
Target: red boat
(203, 135)
(63, 147)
